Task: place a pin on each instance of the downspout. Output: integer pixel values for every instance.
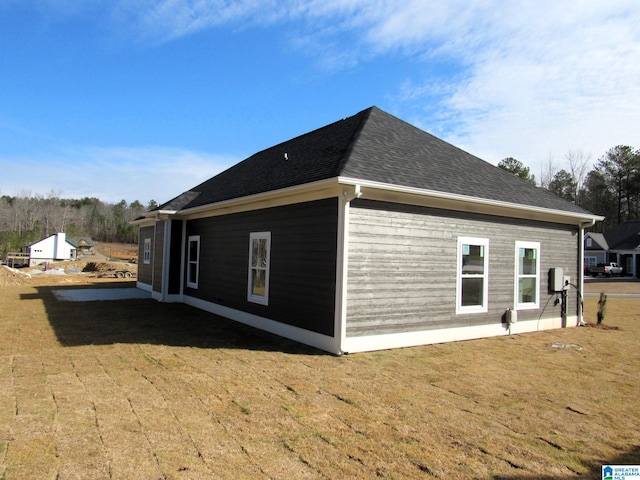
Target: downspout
(342, 267)
(580, 282)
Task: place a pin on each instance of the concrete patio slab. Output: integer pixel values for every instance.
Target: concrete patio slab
(95, 294)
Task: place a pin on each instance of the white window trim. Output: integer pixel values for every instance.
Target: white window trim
(147, 251)
(484, 308)
(190, 263)
(517, 276)
(590, 261)
(251, 297)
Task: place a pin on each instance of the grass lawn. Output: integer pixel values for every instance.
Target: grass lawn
(136, 389)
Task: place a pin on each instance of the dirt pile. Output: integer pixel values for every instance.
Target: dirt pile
(98, 267)
(104, 267)
(9, 277)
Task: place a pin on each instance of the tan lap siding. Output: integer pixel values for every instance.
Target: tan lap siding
(402, 267)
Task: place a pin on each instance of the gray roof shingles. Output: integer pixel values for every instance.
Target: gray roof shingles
(370, 146)
(625, 236)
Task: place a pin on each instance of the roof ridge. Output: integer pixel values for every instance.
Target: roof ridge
(366, 114)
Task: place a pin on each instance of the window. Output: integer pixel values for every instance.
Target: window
(147, 250)
(259, 255)
(193, 261)
(589, 242)
(472, 274)
(527, 275)
(590, 261)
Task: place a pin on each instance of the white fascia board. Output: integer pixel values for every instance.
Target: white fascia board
(149, 218)
(142, 222)
(285, 196)
(452, 201)
(624, 251)
(384, 192)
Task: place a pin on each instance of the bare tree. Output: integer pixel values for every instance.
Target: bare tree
(548, 171)
(26, 218)
(579, 163)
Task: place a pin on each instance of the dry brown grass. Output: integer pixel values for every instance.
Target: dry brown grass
(138, 389)
(117, 251)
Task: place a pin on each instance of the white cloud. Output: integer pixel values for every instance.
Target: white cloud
(531, 79)
(113, 174)
(536, 77)
(569, 80)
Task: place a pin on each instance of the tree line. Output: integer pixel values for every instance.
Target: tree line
(27, 218)
(611, 188)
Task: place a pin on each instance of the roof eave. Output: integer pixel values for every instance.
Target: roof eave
(451, 201)
(384, 192)
(298, 193)
(148, 218)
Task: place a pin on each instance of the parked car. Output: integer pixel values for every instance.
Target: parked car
(606, 269)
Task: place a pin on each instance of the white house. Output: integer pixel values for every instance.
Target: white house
(54, 247)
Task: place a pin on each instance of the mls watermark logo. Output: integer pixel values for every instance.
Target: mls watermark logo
(621, 472)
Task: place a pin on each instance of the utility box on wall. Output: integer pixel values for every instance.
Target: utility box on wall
(556, 279)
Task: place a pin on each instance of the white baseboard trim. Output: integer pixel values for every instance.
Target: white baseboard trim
(144, 286)
(427, 337)
(317, 340)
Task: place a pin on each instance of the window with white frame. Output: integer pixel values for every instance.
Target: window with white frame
(259, 260)
(527, 288)
(590, 261)
(472, 275)
(147, 250)
(193, 261)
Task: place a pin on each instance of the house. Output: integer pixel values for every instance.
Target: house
(54, 247)
(595, 250)
(83, 245)
(620, 244)
(368, 234)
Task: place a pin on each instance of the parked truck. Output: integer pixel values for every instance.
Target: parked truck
(606, 269)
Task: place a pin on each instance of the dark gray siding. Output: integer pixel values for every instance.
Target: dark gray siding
(302, 268)
(402, 267)
(157, 256)
(145, 270)
(175, 256)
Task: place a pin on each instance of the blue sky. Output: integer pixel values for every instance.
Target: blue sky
(141, 100)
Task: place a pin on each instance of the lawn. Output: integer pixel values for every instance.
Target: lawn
(136, 389)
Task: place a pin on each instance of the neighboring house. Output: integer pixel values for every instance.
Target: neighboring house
(84, 245)
(621, 245)
(54, 247)
(595, 250)
(367, 234)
